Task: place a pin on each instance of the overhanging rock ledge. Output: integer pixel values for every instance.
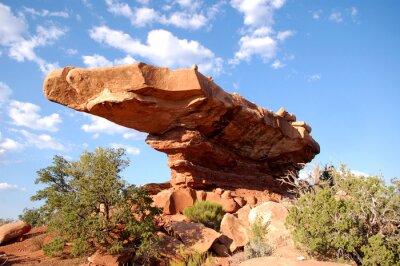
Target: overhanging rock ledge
(212, 138)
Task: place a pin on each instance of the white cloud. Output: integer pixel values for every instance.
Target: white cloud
(353, 11)
(129, 149)
(314, 77)
(316, 14)
(70, 51)
(190, 15)
(258, 37)
(336, 16)
(257, 13)
(8, 145)
(7, 186)
(254, 44)
(100, 125)
(21, 46)
(12, 28)
(27, 114)
(277, 64)
(5, 92)
(45, 13)
(100, 61)
(162, 48)
(283, 35)
(42, 141)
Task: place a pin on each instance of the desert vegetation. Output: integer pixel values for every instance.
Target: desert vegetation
(89, 206)
(208, 213)
(348, 218)
(258, 245)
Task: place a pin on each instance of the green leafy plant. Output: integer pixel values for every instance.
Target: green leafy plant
(54, 248)
(208, 213)
(258, 245)
(32, 216)
(88, 204)
(353, 218)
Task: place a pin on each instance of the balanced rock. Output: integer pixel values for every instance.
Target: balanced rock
(212, 138)
(12, 231)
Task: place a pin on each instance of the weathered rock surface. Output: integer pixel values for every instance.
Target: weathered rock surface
(212, 138)
(12, 231)
(235, 232)
(273, 214)
(194, 236)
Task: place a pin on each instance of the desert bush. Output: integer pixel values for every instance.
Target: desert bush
(208, 213)
(190, 258)
(258, 245)
(54, 248)
(87, 203)
(32, 216)
(356, 218)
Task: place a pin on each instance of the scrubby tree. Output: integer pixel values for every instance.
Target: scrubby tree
(353, 217)
(88, 204)
(208, 213)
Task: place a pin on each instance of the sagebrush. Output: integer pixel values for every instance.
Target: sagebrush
(350, 218)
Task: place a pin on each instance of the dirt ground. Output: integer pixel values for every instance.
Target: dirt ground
(27, 251)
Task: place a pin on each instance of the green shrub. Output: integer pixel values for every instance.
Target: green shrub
(79, 247)
(355, 217)
(208, 213)
(54, 248)
(258, 245)
(88, 204)
(32, 216)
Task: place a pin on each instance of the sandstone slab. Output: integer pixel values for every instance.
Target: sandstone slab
(12, 231)
(212, 138)
(234, 232)
(194, 236)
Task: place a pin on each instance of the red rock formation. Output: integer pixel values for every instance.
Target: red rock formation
(212, 138)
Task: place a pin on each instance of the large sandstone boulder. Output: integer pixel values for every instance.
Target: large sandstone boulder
(194, 236)
(175, 200)
(13, 230)
(273, 214)
(234, 232)
(212, 138)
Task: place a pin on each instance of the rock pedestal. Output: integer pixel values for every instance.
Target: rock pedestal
(212, 138)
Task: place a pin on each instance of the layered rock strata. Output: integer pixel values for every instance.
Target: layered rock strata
(212, 138)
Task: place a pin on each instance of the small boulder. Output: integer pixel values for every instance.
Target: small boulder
(163, 200)
(220, 249)
(240, 201)
(195, 236)
(183, 198)
(12, 231)
(243, 215)
(251, 200)
(234, 232)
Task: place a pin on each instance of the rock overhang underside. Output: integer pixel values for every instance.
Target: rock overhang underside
(212, 138)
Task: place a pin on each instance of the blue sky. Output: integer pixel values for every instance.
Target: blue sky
(335, 64)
